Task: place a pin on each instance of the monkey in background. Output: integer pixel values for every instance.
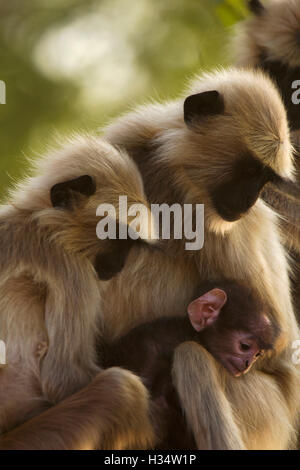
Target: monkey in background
(225, 318)
(269, 40)
(51, 263)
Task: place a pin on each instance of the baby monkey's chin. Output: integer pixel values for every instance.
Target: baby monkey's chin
(234, 366)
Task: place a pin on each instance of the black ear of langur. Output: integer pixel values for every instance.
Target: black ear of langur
(112, 257)
(208, 103)
(63, 195)
(256, 7)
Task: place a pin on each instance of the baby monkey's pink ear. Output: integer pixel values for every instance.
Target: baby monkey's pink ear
(205, 310)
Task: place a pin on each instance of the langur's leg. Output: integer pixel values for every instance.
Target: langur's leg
(112, 412)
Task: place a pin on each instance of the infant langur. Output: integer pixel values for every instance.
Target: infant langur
(225, 318)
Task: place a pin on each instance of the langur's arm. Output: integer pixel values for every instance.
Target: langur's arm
(207, 410)
(287, 205)
(71, 311)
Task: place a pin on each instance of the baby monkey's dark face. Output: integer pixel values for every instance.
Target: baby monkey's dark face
(233, 326)
(236, 350)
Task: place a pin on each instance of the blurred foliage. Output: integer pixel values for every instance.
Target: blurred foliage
(70, 65)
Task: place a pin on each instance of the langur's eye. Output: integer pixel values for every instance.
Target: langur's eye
(245, 346)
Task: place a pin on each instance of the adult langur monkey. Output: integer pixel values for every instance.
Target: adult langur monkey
(270, 40)
(50, 303)
(218, 146)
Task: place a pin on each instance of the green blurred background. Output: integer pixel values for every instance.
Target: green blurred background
(72, 65)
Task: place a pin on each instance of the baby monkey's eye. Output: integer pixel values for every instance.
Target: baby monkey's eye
(245, 346)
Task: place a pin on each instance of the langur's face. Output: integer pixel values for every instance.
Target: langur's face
(236, 340)
(94, 222)
(236, 350)
(241, 186)
(242, 138)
